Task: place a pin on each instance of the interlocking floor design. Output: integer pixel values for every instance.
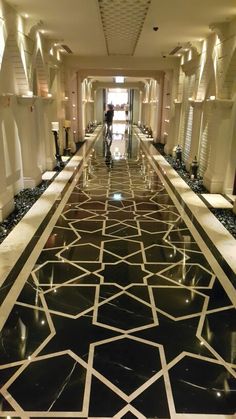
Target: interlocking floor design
(122, 316)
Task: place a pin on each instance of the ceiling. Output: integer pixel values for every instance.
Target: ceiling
(124, 28)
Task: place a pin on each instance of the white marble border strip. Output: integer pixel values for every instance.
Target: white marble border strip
(16, 242)
(216, 232)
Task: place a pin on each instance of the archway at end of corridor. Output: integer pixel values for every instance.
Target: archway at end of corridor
(119, 98)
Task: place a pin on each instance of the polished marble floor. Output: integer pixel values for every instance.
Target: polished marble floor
(122, 315)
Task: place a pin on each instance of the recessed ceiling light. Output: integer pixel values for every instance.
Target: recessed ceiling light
(119, 79)
(26, 15)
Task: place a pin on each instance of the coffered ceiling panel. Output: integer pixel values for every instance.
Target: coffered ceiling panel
(122, 22)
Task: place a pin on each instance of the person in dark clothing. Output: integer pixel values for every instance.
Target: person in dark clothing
(109, 119)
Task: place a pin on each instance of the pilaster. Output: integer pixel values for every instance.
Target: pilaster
(160, 107)
(49, 145)
(234, 208)
(173, 136)
(31, 172)
(6, 195)
(214, 176)
(196, 127)
(80, 119)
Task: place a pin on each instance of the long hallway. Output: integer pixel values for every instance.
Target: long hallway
(122, 315)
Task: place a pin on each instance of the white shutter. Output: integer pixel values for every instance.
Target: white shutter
(183, 112)
(188, 123)
(187, 117)
(188, 134)
(204, 148)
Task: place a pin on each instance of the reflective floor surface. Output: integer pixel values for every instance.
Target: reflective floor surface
(122, 315)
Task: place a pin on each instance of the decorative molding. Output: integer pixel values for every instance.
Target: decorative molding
(196, 47)
(177, 102)
(191, 66)
(32, 26)
(220, 28)
(47, 100)
(26, 100)
(196, 103)
(221, 103)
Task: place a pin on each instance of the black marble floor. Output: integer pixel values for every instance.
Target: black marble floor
(122, 315)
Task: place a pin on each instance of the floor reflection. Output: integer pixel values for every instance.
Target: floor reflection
(122, 315)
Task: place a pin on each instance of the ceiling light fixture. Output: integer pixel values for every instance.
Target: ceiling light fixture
(119, 79)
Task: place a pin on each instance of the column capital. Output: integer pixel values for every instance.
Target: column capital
(221, 103)
(81, 75)
(47, 100)
(26, 100)
(189, 68)
(220, 28)
(177, 103)
(196, 103)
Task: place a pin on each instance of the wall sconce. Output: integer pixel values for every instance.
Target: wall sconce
(55, 126)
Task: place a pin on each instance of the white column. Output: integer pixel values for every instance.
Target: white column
(196, 128)
(6, 196)
(49, 142)
(160, 107)
(27, 133)
(140, 116)
(219, 137)
(80, 110)
(234, 209)
(173, 136)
